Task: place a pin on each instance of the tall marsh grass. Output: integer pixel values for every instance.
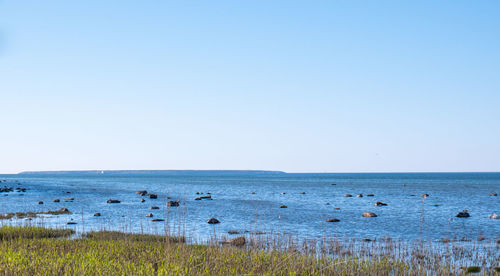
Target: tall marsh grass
(42, 251)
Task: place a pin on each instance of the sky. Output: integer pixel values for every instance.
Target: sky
(296, 86)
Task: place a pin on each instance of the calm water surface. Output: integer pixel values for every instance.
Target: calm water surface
(406, 216)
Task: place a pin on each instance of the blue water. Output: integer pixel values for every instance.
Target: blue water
(406, 216)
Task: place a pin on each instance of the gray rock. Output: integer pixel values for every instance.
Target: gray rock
(239, 241)
(369, 215)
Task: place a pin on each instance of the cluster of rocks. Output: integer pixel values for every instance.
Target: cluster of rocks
(6, 189)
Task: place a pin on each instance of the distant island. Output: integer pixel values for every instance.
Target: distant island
(169, 172)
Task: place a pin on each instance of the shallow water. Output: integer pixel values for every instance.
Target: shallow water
(407, 216)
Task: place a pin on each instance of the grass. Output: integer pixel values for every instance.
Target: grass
(42, 251)
(21, 215)
(32, 232)
(115, 236)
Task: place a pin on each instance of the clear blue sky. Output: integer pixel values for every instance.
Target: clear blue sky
(337, 86)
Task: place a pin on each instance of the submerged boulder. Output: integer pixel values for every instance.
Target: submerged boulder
(369, 215)
(370, 195)
(57, 200)
(154, 207)
(142, 192)
(153, 196)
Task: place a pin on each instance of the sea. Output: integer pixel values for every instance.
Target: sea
(255, 201)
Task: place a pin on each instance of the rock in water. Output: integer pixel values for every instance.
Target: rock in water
(213, 221)
(239, 241)
(142, 192)
(360, 195)
(97, 214)
(154, 207)
(369, 215)
(283, 206)
(153, 196)
(348, 195)
(494, 216)
(173, 203)
(333, 220)
(463, 214)
(113, 201)
(378, 203)
(64, 210)
(150, 215)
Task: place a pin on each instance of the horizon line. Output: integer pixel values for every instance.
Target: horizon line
(237, 170)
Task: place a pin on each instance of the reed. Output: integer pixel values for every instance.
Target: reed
(43, 251)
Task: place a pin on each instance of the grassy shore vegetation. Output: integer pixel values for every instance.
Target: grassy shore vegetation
(28, 250)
